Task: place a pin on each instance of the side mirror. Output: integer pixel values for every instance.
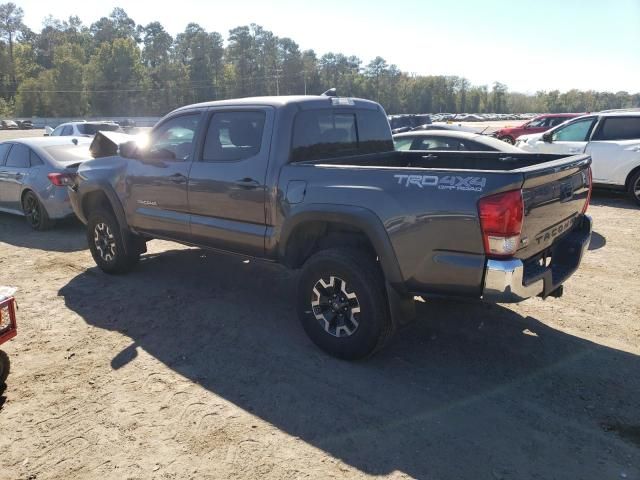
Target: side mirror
(47, 131)
(129, 149)
(548, 137)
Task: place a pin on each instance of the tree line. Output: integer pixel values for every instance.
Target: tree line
(115, 67)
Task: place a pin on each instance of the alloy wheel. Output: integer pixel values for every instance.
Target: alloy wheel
(335, 307)
(104, 242)
(32, 210)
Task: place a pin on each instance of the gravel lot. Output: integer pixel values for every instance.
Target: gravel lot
(195, 366)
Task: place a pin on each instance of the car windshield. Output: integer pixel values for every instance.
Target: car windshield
(93, 128)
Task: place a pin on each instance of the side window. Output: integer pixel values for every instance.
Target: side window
(35, 159)
(67, 131)
(321, 134)
(173, 139)
(18, 157)
(536, 123)
(403, 143)
(620, 128)
(471, 146)
(574, 132)
(233, 136)
(557, 121)
(57, 131)
(437, 143)
(4, 149)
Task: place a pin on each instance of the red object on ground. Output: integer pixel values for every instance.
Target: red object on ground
(8, 326)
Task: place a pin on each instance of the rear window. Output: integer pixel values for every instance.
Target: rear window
(18, 157)
(93, 128)
(69, 153)
(623, 128)
(4, 148)
(319, 134)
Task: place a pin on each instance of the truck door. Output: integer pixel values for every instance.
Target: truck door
(227, 183)
(157, 181)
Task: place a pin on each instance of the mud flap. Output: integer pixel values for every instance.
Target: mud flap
(402, 309)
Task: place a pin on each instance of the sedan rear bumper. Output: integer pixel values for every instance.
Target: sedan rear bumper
(514, 280)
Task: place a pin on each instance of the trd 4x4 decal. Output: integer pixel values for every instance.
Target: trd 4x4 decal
(448, 182)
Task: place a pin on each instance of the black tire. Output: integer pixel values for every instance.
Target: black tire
(107, 246)
(634, 187)
(508, 139)
(343, 271)
(5, 367)
(35, 213)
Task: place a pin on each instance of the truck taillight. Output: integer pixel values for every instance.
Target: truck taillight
(590, 178)
(501, 222)
(62, 179)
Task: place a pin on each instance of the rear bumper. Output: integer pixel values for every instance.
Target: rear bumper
(56, 201)
(514, 280)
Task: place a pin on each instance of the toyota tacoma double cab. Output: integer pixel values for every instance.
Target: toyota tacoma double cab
(314, 183)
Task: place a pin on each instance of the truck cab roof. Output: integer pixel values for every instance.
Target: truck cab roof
(304, 102)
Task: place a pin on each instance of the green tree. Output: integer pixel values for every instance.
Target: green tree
(11, 25)
(115, 79)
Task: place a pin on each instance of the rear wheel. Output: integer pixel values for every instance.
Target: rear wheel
(5, 366)
(107, 246)
(342, 303)
(634, 188)
(35, 213)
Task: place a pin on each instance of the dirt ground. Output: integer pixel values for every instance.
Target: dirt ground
(195, 366)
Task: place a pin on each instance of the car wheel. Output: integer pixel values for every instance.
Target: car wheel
(5, 366)
(107, 246)
(342, 303)
(634, 188)
(509, 140)
(35, 213)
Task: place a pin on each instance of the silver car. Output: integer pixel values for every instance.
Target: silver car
(34, 175)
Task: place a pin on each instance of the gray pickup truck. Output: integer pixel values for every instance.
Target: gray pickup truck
(314, 183)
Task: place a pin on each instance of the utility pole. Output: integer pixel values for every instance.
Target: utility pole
(278, 72)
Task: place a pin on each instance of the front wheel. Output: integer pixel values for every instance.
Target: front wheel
(342, 303)
(509, 140)
(35, 213)
(634, 188)
(106, 243)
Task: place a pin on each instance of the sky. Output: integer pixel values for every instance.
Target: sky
(529, 45)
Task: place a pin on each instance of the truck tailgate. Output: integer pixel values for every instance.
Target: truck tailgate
(554, 198)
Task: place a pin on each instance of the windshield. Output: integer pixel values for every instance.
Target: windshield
(93, 128)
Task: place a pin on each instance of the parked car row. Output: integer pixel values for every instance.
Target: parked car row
(541, 123)
(16, 125)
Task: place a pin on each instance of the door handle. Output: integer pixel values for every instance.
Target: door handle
(178, 178)
(247, 183)
(574, 150)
